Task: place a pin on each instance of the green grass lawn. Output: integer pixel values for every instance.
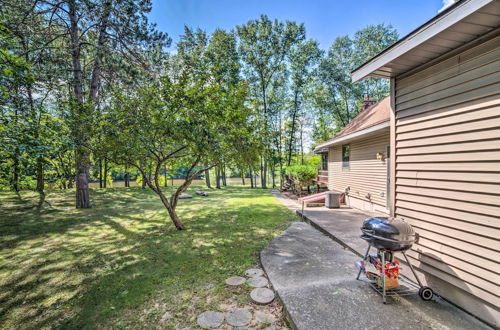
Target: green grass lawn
(122, 264)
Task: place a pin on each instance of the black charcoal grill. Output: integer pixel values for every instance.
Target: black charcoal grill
(389, 235)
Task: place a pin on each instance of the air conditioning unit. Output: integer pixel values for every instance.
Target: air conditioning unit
(332, 199)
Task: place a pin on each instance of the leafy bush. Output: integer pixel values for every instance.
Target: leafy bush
(301, 175)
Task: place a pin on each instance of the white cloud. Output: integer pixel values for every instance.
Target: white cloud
(446, 4)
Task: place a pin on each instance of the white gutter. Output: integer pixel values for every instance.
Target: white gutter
(428, 30)
(354, 135)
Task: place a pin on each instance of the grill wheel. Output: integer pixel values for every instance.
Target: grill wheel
(426, 293)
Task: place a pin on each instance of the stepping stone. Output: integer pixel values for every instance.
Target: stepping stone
(184, 196)
(258, 282)
(253, 272)
(262, 296)
(210, 319)
(238, 317)
(264, 317)
(235, 280)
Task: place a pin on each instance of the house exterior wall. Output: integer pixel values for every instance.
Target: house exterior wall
(447, 174)
(366, 174)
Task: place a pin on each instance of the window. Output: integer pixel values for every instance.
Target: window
(346, 154)
(324, 162)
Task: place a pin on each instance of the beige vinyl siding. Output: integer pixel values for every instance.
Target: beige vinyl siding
(447, 185)
(366, 174)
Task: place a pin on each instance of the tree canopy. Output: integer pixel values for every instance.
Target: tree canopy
(90, 92)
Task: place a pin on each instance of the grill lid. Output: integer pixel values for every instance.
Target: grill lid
(388, 233)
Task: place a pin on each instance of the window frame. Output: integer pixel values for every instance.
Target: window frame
(346, 164)
(324, 162)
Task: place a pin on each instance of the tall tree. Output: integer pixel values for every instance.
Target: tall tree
(94, 33)
(303, 60)
(335, 91)
(264, 47)
(368, 42)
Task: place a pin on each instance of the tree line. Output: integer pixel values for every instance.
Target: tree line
(90, 85)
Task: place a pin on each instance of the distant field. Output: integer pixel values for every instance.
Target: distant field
(122, 264)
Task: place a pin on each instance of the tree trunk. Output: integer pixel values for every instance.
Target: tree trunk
(100, 173)
(105, 173)
(251, 179)
(242, 177)
(82, 156)
(39, 160)
(207, 179)
(224, 176)
(302, 143)
(165, 176)
(263, 179)
(217, 177)
(171, 211)
(15, 161)
(173, 216)
(39, 175)
(16, 170)
(272, 176)
(292, 130)
(126, 177)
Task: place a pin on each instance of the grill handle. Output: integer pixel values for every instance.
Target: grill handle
(384, 238)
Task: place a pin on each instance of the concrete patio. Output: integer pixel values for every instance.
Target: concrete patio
(342, 225)
(314, 277)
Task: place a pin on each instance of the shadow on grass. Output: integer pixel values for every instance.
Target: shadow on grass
(80, 268)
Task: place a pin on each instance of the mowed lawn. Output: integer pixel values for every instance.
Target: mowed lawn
(122, 264)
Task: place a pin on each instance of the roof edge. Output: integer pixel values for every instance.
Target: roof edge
(432, 27)
(353, 135)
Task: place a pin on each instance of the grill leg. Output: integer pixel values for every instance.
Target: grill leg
(382, 276)
(412, 270)
(364, 259)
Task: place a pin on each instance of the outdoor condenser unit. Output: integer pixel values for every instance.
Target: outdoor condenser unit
(332, 199)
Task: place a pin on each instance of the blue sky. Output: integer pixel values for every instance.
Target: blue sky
(324, 19)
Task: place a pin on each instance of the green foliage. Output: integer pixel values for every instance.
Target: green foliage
(301, 175)
(337, 99)
(313, 161)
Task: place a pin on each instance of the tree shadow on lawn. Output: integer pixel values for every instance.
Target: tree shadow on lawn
(83, 269)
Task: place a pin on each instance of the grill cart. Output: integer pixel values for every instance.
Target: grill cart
(389, 235)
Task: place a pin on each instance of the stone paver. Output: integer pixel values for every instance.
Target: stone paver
(258, 282)
(235, 281)
(315, 279)
(238, 317)
(210, 319)
(253, 272)
(262, 296)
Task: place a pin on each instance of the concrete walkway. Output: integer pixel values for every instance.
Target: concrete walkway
(343, 225)
(314, 277)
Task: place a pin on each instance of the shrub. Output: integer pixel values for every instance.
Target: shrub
(301, 175)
